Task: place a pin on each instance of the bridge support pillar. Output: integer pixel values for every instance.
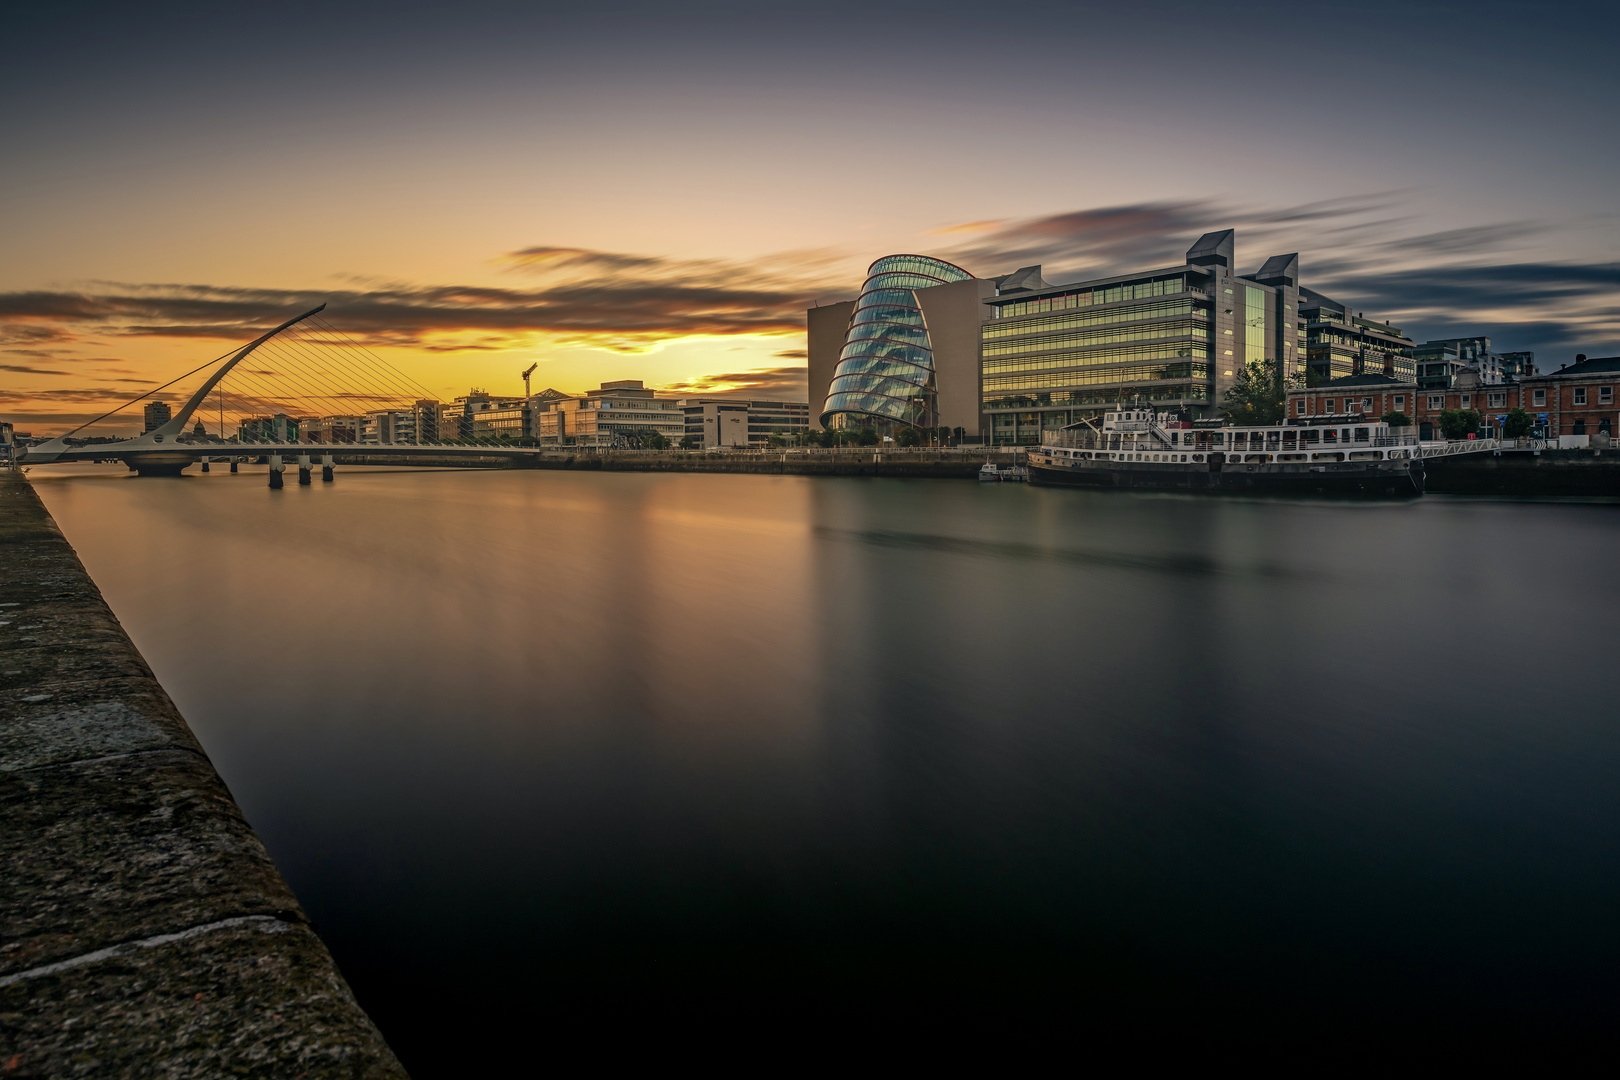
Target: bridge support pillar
(326, 468)
(275, 472)
(303, 470)
(233, 464)
(205, 463)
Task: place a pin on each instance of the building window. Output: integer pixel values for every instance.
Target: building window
(1436, 403)
(1400, 402)
(1605, 395)
(1497, 401)
(1467, 401)
(1366, 404)
(1580, 395)
(1330, 406)
(1538, 397)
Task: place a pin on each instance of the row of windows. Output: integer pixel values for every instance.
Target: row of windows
(1150, 392)
(1111, 294)
(1578, 396)
(1138, 313)
(918, 264)
(1098, 377)
(882, 349)
(903, 333)
(904, 298)
(1129, 354)
(889, 282)
(889, 314)
(1023, 347)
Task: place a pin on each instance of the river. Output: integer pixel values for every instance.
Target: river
(538, 747)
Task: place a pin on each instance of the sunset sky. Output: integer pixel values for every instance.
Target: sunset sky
(657, 191)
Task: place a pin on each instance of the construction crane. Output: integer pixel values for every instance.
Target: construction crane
(527, 372)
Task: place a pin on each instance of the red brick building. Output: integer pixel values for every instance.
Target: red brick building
(1577, 399)
(1353, 395)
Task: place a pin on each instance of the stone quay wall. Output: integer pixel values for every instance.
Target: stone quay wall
(1525, 473)
(144, 930)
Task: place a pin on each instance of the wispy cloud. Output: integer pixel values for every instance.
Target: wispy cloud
(1362, 250)
(21, 370)
(780, 382)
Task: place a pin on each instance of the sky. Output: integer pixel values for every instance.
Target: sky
(655, 191)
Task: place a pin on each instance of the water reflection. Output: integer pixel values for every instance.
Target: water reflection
(531, 742)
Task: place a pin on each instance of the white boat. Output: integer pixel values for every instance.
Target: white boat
(1352, 455)
(991, 473)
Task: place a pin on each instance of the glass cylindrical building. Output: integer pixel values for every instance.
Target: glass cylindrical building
(885, 372)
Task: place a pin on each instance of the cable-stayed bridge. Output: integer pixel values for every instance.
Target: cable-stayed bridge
(263, 393)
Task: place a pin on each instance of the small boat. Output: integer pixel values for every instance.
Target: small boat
(1352, 455)
(991, 473)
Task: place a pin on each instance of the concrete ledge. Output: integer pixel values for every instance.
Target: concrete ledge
(144, 929)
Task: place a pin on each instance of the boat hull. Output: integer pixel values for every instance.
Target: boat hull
(1375, 480)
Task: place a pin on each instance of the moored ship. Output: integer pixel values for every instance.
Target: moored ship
(1135, 448)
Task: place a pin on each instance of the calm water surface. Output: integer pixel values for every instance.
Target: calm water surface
(534, 743)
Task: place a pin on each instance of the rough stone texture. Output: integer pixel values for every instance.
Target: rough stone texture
(144, 930)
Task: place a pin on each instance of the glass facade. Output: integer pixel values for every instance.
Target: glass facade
(885, 371)
(1144, 340)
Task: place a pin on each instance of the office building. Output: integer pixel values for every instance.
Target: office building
(1341, 342)
(277, 428)
(1518, 365)
(331, 429)
(623, 413)
(738, 422)
(1176, 337)
(499, 419)
(426, 418)
(387, 427)
(1471, 354)
(1438, 365)
(157, 414)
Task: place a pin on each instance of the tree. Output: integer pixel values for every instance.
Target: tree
(909, 436)
(1458, 424)
(1395, 418)
(690, 442)
(652, 440)
(1258, 395)
(868, 437)
(1518, 424)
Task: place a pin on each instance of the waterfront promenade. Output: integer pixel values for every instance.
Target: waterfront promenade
(144, 929)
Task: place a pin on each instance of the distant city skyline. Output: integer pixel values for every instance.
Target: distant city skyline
(634, 192)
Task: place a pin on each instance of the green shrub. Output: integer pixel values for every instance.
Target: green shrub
(1458, 424)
